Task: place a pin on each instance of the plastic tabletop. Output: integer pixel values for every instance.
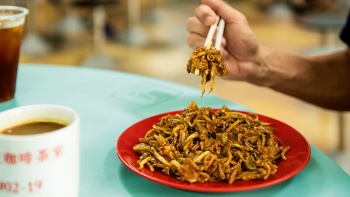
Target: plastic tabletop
(111, 101)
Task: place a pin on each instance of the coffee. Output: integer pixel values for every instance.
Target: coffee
(37, 165)
(32, 128)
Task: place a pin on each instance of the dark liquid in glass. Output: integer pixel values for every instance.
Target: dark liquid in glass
(10, 42)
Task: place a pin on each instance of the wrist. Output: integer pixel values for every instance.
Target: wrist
(280, 69)
(262, 72)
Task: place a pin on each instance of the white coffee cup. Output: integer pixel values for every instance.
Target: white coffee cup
(40, 165)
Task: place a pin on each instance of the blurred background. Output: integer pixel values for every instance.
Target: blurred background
(148, 37)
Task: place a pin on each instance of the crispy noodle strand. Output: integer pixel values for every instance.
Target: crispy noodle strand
(201, 145)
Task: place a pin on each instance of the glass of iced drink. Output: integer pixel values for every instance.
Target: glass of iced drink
(12, 19)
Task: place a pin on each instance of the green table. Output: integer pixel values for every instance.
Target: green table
(110, 101)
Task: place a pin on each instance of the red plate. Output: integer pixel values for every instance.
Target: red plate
(298, 156)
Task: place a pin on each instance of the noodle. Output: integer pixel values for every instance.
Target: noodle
(201, 145)
(206, 61)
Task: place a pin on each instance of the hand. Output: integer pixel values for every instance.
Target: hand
(240, 49)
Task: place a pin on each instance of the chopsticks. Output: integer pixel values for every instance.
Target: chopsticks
(219, 26)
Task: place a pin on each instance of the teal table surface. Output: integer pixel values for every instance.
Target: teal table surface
(110, 101)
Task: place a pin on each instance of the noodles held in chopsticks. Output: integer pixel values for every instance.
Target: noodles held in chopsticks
(206, 61)
(201, 145)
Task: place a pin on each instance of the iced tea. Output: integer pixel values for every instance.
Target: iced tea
(11, 27)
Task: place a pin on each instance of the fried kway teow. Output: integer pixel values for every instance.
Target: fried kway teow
(201, 145)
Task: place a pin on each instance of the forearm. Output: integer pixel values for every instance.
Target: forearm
(321, 80)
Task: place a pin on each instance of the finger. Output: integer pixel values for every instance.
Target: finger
(195, 40)
(205, 14)
(194, 25)
(225, 11)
